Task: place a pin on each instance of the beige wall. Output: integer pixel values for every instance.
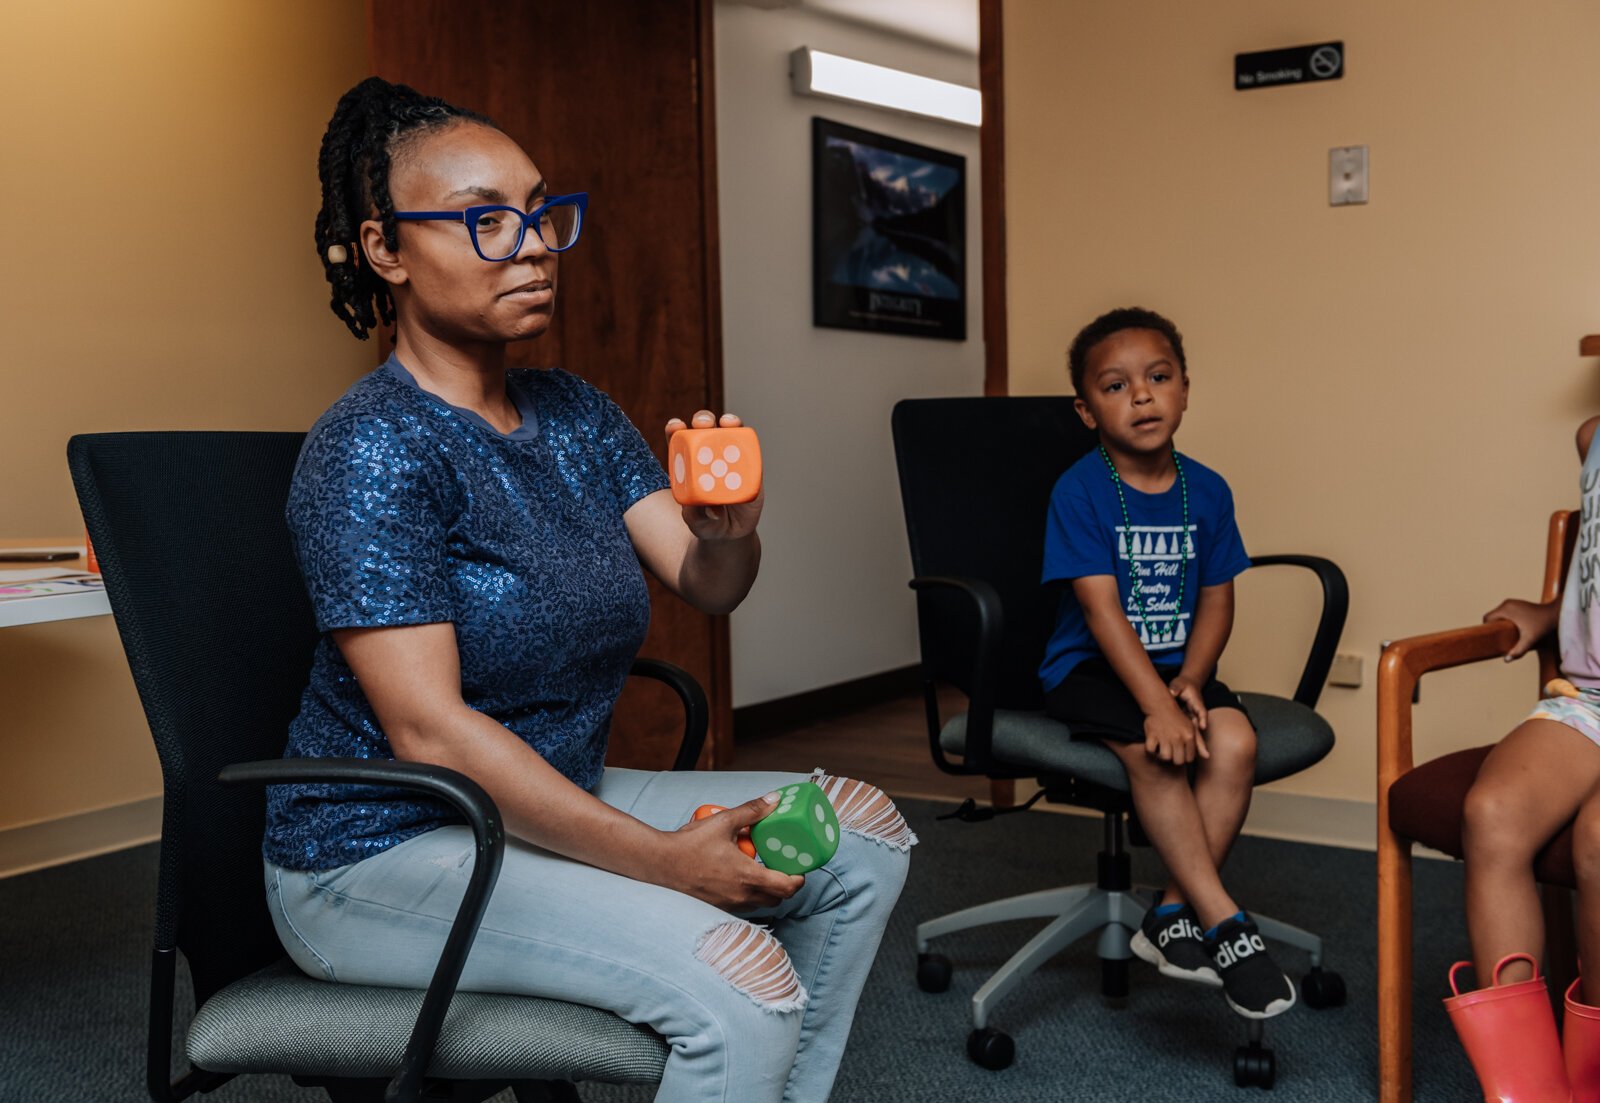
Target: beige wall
(158, 190)
(832, 603)
(1395, 385)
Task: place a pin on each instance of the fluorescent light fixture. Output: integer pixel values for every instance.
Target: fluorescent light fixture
(842, 78)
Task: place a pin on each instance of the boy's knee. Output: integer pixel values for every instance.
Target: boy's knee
(755, 963)
(867, 811)
(1233, 745)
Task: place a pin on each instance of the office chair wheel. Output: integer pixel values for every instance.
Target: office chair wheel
(933, 973)
(991, 1048)
(1322, 988)
(1254, 1066)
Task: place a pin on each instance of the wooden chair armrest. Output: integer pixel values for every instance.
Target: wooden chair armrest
(1402, 666)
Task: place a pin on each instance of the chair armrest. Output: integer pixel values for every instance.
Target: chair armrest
(1330, 625)
(488, 833)
(985, 601)
(1401, 667)
(696, 712)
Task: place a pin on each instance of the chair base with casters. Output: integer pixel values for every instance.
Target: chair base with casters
(1111, 908)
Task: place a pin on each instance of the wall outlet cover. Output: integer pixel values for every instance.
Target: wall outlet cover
(1347, 175)
(1346, 670)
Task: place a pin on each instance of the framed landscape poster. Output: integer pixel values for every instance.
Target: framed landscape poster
(888, 230)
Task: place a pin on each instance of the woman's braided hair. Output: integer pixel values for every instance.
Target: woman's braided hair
(368, 125)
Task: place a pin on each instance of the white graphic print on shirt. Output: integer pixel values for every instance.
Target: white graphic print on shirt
(1159, 562)
(1579, 631)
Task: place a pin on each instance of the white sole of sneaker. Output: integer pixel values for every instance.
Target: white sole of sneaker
(1145, 950)
(1276, 1007)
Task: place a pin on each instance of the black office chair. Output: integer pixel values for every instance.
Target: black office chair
(975, 481)
(189, 529)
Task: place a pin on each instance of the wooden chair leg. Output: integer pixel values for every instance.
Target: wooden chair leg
(1394, 967)
(1560, 938)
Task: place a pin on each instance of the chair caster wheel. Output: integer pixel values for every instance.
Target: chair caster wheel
(1322, 988)
(991, 1048)
(933, 972)
(1254, 1066)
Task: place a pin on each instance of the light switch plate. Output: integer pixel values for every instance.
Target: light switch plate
(1346, 670)
(1347, 175)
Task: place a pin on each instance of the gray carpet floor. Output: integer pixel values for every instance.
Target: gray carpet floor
(74, 969)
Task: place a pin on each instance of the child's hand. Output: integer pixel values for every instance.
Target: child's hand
(1171, 735)
(1534, 622)
(1187, 694)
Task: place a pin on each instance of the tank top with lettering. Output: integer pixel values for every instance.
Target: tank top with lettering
(1580, 603)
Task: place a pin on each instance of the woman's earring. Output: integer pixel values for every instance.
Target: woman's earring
(338, 254)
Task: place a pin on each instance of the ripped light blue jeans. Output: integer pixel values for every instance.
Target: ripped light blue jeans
(756, 1008)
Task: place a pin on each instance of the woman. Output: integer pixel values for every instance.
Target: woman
(472, 539)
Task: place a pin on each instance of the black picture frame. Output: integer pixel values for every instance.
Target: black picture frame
(888, 234)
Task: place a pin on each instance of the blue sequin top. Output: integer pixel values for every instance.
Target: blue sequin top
(406, 510)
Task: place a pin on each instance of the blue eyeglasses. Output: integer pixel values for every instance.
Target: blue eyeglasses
(497, 231)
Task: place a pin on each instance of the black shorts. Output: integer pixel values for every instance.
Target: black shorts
(1093, 702)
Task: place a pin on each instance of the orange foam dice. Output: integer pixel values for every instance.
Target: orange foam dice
(744, 840)
(714, 467)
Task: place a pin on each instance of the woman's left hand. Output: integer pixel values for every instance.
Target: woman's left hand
(718, 522)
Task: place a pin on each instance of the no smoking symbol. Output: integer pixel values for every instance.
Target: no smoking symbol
(1326, 61)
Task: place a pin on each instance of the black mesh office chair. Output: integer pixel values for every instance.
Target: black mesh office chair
(218, 630)
(975, 481)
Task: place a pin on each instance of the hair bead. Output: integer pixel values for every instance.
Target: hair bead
(353, 166)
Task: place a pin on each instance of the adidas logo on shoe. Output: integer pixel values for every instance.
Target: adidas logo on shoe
(1175, 944)
(1182, 927)
(1253, 985)
(1231, 951)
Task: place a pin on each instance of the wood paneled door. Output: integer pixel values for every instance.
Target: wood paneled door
(612, 97)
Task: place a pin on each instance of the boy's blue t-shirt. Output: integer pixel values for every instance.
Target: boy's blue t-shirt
(1084, 536)
(407, 510)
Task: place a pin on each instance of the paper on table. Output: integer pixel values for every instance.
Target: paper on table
(77, 584)
(40, 574)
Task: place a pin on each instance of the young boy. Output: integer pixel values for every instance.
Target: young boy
(1147, 539)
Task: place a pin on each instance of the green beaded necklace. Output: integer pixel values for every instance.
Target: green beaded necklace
(1184, 547)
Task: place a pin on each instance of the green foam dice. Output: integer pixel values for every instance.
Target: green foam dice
(801, 833)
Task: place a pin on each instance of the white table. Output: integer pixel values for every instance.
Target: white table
(40, 610)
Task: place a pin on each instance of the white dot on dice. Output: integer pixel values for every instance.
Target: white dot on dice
(707, 482)
(789, 852)
(804, 859)
(719, 469)
(829, 829)
(677, 467)
(821, 816)
(773, 844)
(734, 480)
(703, 456)
(731, 453)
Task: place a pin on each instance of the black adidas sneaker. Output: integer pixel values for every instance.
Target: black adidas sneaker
(1254, 986)
(1175, 944)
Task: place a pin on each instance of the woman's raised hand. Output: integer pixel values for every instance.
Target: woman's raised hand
(731, 522)
(706, 861)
